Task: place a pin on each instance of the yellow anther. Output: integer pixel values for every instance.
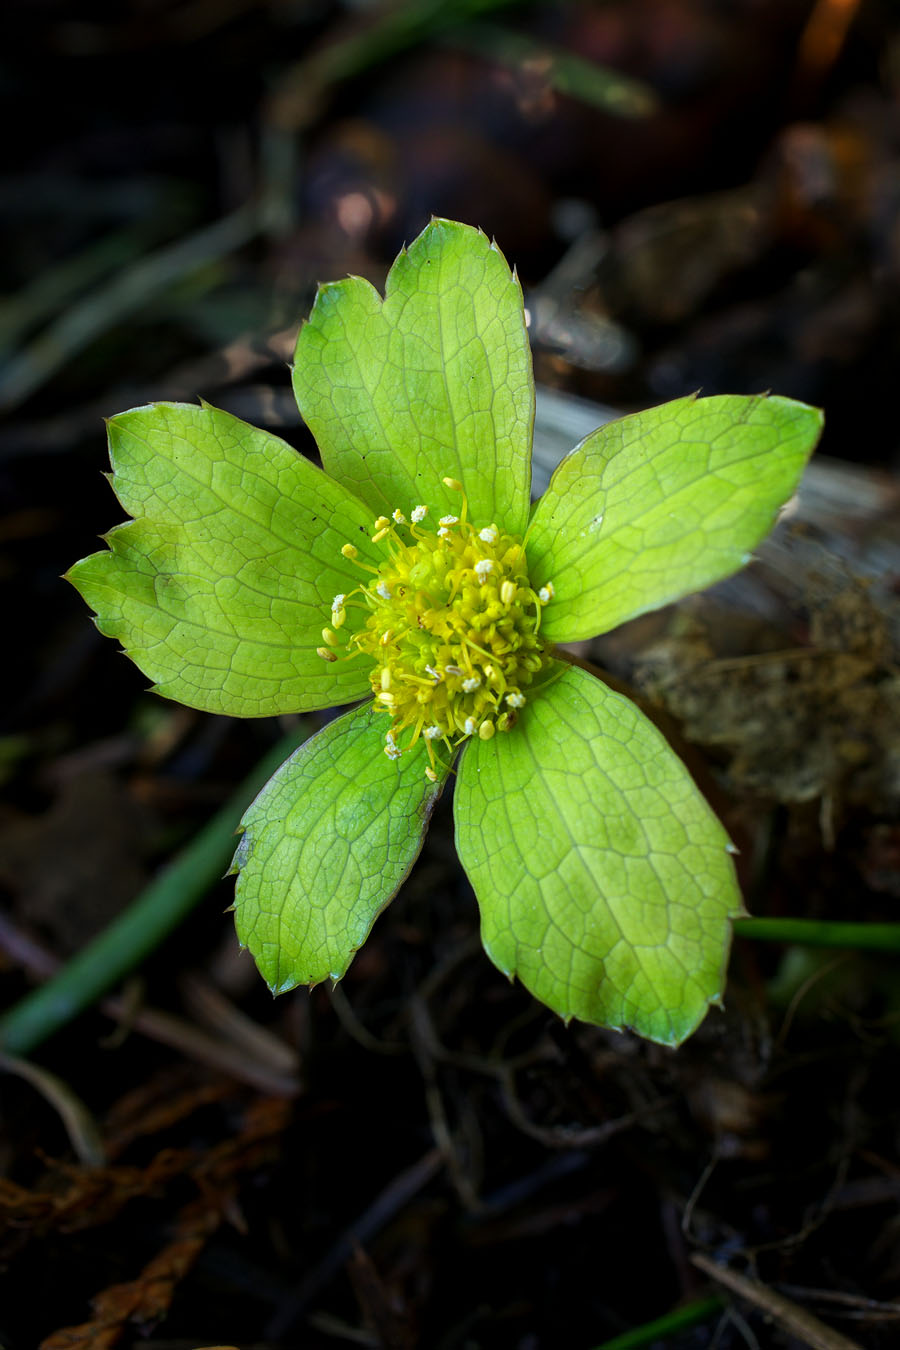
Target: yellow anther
(453, 484)
(326, 653)
(349, 551)
(486, 730)
(399, 517)
(508, 592)
(380, 534)
(386, 637)
(330, 636)
(385, 679)
(382, 523)
(430, 774)
(338, 616)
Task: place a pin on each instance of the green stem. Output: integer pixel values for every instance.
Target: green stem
(677, 1320)
(158, 909)
(866, 937)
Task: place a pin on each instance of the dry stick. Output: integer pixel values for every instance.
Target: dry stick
(226, 1022)
(81, 1127)
(423, 1042)
(214, 1051)
(789, 1315)
(269, 1065)
(394, 1198)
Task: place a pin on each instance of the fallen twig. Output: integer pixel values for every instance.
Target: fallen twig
(789, 1315)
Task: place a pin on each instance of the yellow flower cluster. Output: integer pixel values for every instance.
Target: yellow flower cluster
(453, 628)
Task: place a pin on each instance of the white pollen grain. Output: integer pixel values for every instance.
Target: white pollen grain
(483, 567)
(383, 590)
(489, 534)
(337, 603)
(432, 733)
(469, 686)
(447, 521)
(515, 700)
(418, 513)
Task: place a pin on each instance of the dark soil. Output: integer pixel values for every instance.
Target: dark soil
(426, 1157)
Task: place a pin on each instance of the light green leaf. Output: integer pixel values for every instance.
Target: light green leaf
(603, 877)
(665, 502)
(326, 845)
(220, 588)
(435, 380)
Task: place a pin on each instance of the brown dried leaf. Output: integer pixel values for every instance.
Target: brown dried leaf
(146, 1299)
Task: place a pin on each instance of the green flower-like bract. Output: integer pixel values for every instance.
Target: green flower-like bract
(252, 583)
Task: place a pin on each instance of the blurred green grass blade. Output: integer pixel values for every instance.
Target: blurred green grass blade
(55, 286)
(567, 73)
(159, 909)
(862, 937)
(107, 305)
(679, 1319)
(386, 32)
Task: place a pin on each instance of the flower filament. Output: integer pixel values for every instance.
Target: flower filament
(452, 629)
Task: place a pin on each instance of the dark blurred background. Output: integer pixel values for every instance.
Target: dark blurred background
(695, 194)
